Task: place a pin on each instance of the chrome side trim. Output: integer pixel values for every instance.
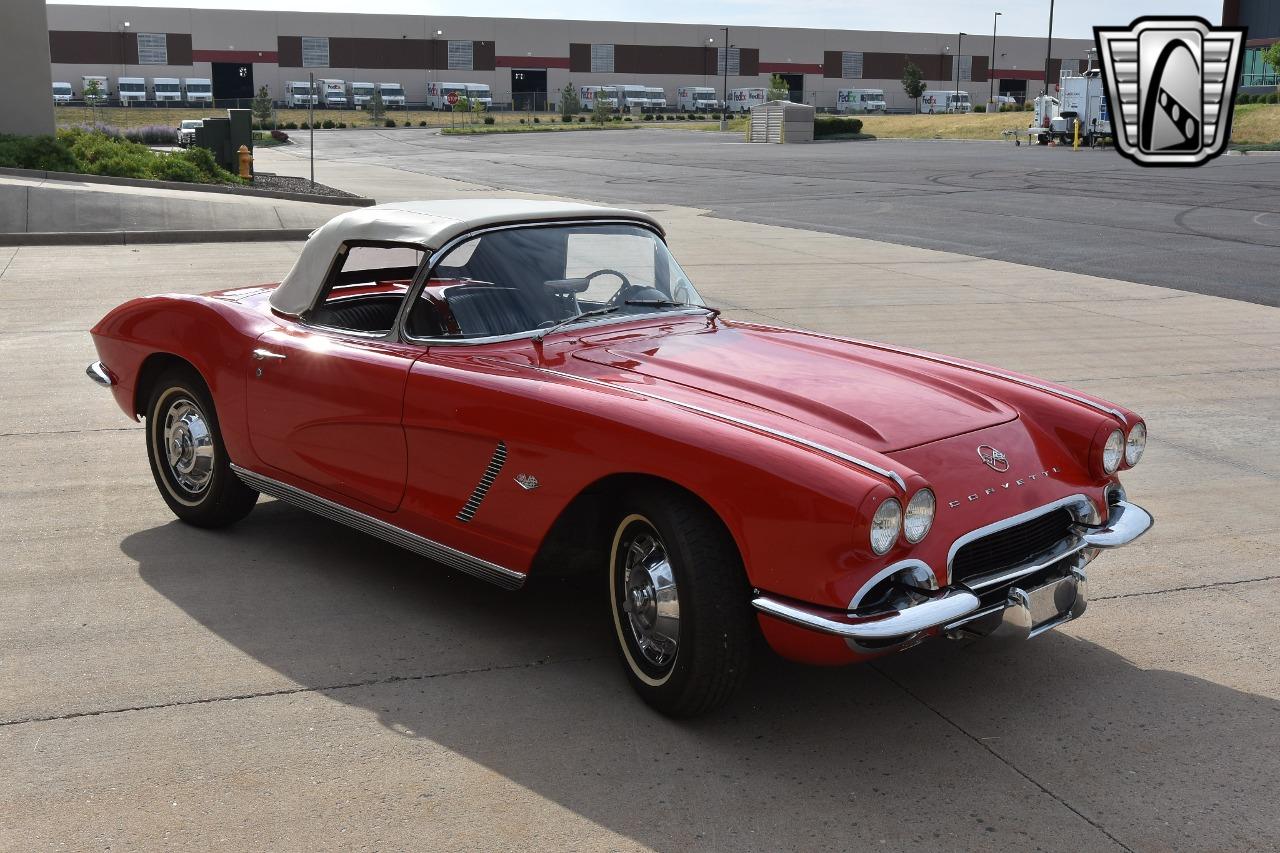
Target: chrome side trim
(451, 557)
(947, 607)
(1084, 504)
(986, 371)
(98, 373)
(491, 470)
(893, 476)
(886, 572)
(1126, 523)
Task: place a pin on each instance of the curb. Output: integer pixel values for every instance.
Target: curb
(345, 201)
(132, 238)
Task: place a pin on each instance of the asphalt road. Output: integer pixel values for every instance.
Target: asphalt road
(1212, 230)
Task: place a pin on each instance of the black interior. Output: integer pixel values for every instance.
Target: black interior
(361, 313)
(487, 309)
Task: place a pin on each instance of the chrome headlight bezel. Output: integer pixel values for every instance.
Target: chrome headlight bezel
(1135, 444)
(1113, 452)
(917, 519)
(886, 525)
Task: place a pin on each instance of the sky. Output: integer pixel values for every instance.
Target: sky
(1072, 18)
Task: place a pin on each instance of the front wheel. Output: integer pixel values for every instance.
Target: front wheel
(679, 600)
(188, 460)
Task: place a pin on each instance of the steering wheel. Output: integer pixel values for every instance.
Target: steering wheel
(620, 294)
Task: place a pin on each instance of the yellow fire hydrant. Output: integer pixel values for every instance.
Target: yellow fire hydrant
(246, 163)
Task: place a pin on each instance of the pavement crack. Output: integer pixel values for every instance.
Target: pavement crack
(289, 691)
(1002, 759)
(22, 433)
(1191, 588)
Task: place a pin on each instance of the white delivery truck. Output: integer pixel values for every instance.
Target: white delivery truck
(478, 93)
(742, 100)
(696, 98)
(657, 97)
(392, 95)
(199, 90)
(860, 101)
(297, 93)
(62, 93)
(604, 95)
(104, 91)
(945, 101)
(361, 94)
(131, 90)
(333, 93)
(633, 97)
(438, 94)
(168, 90)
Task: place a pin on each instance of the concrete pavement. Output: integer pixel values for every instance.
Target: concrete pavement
(290, 683)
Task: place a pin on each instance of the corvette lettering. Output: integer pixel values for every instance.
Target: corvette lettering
(1011, 484)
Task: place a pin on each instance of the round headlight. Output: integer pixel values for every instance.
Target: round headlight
(1136, 443)
(886, 524)
(1112, 452)
(919, 516)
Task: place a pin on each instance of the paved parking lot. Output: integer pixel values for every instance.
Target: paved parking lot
(1215, 229)
(289, 683)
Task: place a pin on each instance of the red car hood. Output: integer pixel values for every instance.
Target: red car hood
(882, 401)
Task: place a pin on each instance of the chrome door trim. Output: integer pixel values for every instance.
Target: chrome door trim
(451, 557)
(893, 476)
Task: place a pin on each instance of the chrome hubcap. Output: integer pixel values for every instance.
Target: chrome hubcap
(188, 446)
(649, 598)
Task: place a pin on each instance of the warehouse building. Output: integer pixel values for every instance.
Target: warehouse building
(527, 62)
(1262, 17)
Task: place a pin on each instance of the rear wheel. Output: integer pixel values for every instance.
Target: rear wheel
(679, 600)
(188, 460)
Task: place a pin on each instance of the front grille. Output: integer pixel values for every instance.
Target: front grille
(1012, 546)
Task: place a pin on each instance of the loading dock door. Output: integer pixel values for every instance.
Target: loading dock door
(529, 89)
(795, 83)
(1014, 88)
(232, 81)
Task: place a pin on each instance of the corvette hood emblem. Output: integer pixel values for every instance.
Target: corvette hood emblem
(992, 458)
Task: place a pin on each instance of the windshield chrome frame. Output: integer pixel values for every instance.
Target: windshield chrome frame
(415, 290)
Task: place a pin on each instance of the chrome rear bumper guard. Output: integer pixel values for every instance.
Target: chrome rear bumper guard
(1025, 613)
(98, 373)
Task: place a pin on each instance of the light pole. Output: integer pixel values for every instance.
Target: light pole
(724, 104)
(955, 97)
(1048, 51)
(991, 69)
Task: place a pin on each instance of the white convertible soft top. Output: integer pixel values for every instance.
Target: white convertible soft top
(427, 224)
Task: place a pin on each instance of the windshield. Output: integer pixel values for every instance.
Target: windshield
(191, 123)
(166, 87)
(362, 90)
(704, 96)
(392, 88)
(132, 87)
(195, 88)
(526, 279)
(62, 88)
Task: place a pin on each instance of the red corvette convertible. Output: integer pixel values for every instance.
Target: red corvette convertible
(513, 387)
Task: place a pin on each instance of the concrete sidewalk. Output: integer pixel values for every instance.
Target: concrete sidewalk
(291, 683)
(31, 205)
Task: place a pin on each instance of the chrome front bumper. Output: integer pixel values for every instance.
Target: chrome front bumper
(957, 610)
(98, 373)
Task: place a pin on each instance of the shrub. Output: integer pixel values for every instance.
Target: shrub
(304, 126)
(691, 117)
(46, 153)
(178, 169)
(522, 121)
(292, 125)
(490, 119)
(1273, 98)
(342, 125)
(327, 124)
(832, 126)
(1244, 98)
(279, 136)
(1028, 106)
(659, 117)
(648, 118)
(565, 119)
(716, 116)
(979, 108)
(537, 120)
(582, 119)
(628, 118)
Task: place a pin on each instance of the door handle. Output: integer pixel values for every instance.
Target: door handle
(264, 354)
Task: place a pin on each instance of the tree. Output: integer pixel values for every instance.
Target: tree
(262, 106)
(93, 94)
(375, 108)
(913, 83)
(569, 102)
(600, 112)
(1271, 56)
(779, 90)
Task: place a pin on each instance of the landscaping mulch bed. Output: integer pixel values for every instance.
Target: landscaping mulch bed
(289, 184)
